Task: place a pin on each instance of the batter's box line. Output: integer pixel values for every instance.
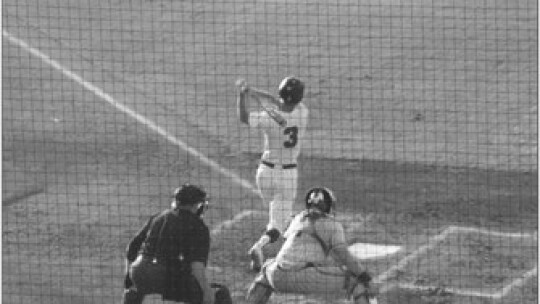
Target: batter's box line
(468, 292)
(434, 241)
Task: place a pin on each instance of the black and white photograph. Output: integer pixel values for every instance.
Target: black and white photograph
(270, 151)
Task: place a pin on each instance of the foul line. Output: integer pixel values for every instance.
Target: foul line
(123, 108)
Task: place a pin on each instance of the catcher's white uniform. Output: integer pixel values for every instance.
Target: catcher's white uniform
(278, 173)
(305, 264)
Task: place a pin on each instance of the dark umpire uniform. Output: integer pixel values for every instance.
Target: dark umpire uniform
(162, 255)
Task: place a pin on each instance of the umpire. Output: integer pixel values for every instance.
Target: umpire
(168, 256)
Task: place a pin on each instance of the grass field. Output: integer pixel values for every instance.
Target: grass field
(423, 117)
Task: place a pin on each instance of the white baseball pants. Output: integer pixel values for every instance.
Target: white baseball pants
(278, 188)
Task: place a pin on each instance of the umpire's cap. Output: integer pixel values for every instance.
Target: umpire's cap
(189, 194)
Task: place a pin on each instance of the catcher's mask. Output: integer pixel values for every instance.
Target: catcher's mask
(321, 198)
(291, 90)
(189, 194)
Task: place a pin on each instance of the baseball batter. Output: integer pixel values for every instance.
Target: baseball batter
(284, 127)
(314, 258)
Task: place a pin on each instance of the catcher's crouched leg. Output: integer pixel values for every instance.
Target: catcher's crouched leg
(223, 295)
(260, 290)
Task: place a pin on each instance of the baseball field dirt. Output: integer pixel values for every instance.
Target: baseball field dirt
(423, 118)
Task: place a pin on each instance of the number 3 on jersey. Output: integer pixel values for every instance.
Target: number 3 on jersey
(292, 133)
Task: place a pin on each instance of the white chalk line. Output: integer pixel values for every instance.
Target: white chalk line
(125, 109)
(519, 281)
(471, 293)
(138, 117)
(444, 290)
(403, 262)
(463, 292)
(492, 233)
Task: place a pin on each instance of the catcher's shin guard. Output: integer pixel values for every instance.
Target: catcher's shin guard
(260, 290)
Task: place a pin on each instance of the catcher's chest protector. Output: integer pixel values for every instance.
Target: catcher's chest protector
(309, 228)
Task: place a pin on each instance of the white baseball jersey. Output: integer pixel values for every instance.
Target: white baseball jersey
(282, 144)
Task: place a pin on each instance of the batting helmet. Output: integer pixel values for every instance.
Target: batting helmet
(321, 198)
(291, 90)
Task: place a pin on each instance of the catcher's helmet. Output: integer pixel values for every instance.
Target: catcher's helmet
(321, 198)
(189, 194)
(291, 90)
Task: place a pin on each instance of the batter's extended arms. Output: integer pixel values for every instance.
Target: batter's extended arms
(266, 95)
(244, 88)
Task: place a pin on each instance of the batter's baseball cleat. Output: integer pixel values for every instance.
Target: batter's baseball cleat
(257, 257)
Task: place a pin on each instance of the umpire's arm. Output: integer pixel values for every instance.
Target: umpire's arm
(198, 255)
(133, 249)
(135, 244)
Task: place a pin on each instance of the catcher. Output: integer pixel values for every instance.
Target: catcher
(314, 258)
(168, 255)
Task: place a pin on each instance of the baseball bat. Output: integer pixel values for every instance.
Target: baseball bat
(243, 86)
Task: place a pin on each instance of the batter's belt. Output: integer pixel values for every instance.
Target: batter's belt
(272, 165)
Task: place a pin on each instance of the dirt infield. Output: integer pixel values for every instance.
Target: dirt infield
(423, 116)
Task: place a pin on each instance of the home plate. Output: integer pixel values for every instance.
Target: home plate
(372, 251)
